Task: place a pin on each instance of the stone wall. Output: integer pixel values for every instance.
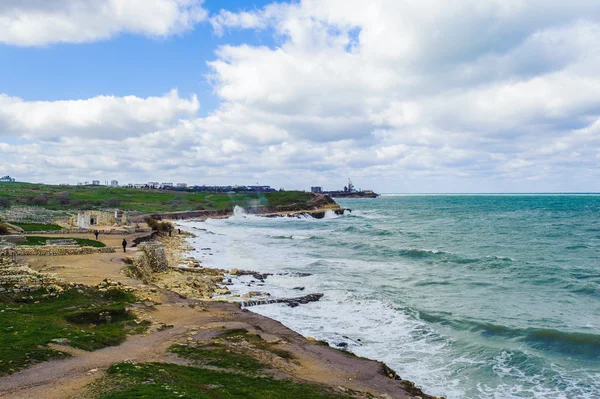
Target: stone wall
(8, 253)
(14, 238)
(19, 278)
(150, 258)
(153, 255)
(61, 250)
(89, 219)
(93, 218)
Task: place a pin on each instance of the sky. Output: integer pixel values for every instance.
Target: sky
(401, 96)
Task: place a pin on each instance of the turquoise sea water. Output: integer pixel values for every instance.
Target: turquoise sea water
(470, 296)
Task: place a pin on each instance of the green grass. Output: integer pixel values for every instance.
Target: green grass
(218, 355)
(88, 318)
(38, 227)
(145, 201)
(165, 381)
(82, 242)
(244, 336)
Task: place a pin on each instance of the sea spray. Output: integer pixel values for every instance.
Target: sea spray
(329, 214)
(239, 212)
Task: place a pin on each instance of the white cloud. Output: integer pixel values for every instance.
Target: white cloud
(459, 89)
(41, 22)
(102, 116)
(464, 95)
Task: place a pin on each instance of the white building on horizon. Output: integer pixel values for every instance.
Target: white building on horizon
(114, 183)
(7, 178)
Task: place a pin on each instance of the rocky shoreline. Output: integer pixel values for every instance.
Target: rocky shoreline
(255, 298)
(182, 303)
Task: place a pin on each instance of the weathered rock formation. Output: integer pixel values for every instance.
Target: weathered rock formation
(150, 259)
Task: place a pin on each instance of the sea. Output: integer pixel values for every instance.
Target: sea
(468, 296)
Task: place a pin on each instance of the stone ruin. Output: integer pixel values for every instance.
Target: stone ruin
(151, 258)
(8, 253)
(20, 278)
(62, 242)
(88, 219)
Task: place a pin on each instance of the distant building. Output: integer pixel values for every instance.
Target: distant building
(7, 178)
(316, 189)
(259, 189)
(181, 185)
(166, 185)
(95, 182)
(139, 185)
(114, 183)
(153, 184)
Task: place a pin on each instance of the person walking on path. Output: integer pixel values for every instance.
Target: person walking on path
(96, 232)
(124, 244)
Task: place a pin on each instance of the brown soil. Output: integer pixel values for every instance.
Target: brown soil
(192, 320)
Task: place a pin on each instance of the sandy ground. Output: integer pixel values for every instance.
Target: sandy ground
(191, 320)
(88, 269)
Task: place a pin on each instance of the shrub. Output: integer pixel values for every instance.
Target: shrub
(158, 226)
(39, 200)
(63, 198)
(4, 203)
(3, 229)
(113, 202)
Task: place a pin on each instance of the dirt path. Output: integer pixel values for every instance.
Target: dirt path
(193, 320)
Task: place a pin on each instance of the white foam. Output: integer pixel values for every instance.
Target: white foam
(329, 214)
(349, 313)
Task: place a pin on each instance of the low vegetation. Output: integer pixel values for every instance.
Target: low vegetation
(142, 200)
(82, 242)
(161, 227)
(28, 227)
(231, 349)
(235, 364)
(165, 381)
(4, 229)
(242, 336)
(83, 318)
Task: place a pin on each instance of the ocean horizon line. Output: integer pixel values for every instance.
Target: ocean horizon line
(507, 193)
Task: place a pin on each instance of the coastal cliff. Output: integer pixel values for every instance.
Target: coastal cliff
(315, 205)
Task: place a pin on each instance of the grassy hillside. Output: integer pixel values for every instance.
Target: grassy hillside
(92, 197)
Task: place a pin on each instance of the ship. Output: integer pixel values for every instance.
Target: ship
(350, 191)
